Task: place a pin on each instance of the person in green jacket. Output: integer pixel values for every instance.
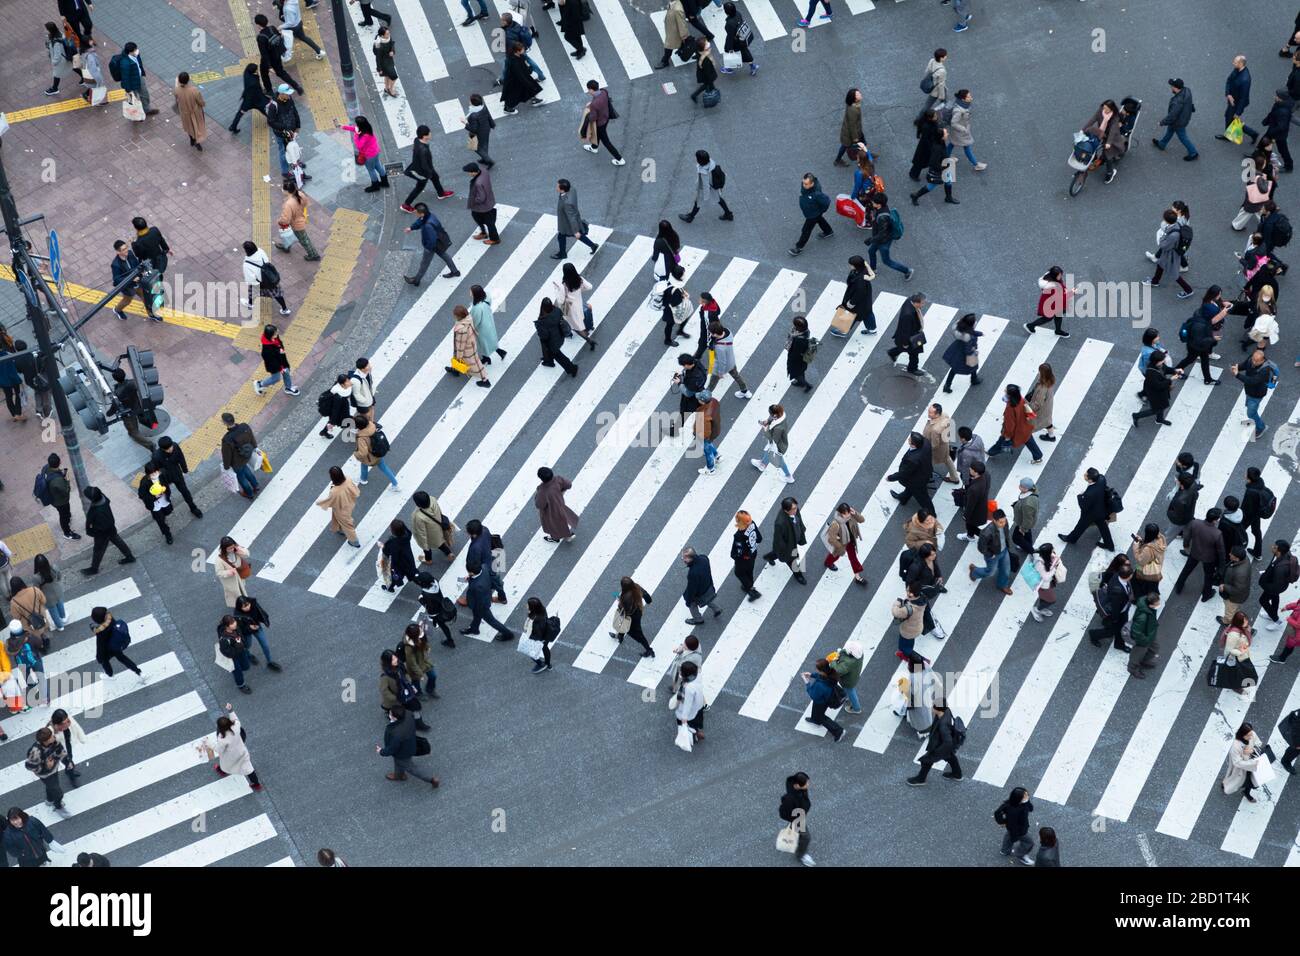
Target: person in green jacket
(848, 664)
(1142, 632)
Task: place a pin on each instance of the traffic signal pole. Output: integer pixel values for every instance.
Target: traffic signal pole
(25, 266)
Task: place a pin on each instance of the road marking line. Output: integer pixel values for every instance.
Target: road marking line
(220, 846)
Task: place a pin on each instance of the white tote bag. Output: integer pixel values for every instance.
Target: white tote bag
(787, 840)
(288, 45)
(685, 739)
(1263, 772)
(731, 60)
(98, 94)
(132, 108)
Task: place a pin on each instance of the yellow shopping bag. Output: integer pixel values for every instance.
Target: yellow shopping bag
(266, 462)
(1235, 130)
(459, 366)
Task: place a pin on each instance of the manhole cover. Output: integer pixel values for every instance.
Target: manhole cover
(888, 386)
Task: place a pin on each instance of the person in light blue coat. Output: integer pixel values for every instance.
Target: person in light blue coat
(485, 326)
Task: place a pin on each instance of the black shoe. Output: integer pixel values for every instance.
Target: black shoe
(468, 21)
(448, 642)
(686, 218)
(196, 512)
(753, 595)
(273, 666)
(916, 781)
(73, 536)
(798, 576)
(726, 217)
(466, 631)
(129, 559)
(507, 636)
(949, 775)
(421, 725)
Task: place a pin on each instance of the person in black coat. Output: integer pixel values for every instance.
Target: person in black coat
(909, 335)
(794, 811)
(692, 10)
(254, 97)
(158, 505)
(733, 43)
(1289, 728)
(1200, 335)
(1157, 389)
(1277, 124)
(699, 586)
(398, 555)
(796, 355)
(1113, 599)
(857, 294)
(975, 507)
(77, 13)
(914, 473)
(929, 140)
(103, 531)
(422, 170)
(1275, 579)
(400, 744)
(149, 245)
(941, 745)
(1252, 508)
(550, 326)
(170, 460)
(571, 26)
(706, 74)
(255, 624)
(270, 49)
(690, 380)
(1094, 509)
(519, 83)
(1014, 815)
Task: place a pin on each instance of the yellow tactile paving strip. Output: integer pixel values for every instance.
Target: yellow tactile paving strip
(318, 79)
(323, 297)
(199, 323)
(28, 544)
(114, 96)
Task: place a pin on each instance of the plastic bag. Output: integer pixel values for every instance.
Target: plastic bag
(1235, 131)
(266, 462)
(230, 481)
(132, 108)
(685, 739)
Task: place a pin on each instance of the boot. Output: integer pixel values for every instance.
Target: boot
(383, 182)
(688, 216)
(916, 197)
(947, 194)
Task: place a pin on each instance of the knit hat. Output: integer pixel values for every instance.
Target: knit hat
(1028, 484)
(15, 627)
(1176, 83)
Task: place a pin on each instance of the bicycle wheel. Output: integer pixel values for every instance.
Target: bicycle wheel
(1076, 184)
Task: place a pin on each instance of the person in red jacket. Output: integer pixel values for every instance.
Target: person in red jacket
(1053, 301)
(1017, 426)
(276, 361)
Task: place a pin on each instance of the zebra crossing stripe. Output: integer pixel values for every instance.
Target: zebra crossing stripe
(156, 819)
(586, 69)
(397, 109)
(220, 846)
(766, 489)
(624, 39)
(419, 36)
(283, 861)
(1021, 718)
(610, 447)
(443, 434)
(529, 398)
(1228, 712)
(763, 18)
(275, 494)
(82, 653)
(407, 404)
(1174, 682)
(471, 37)
(995, 643)
(1251, 819)
(110, 596)
(115, 735)
(784, 664)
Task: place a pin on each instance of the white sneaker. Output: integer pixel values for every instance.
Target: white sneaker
(1215, 356)
(962, 536)
(1274, 625)
(1151, 256)
(618, 162)
(707, 471)
(807, 860)
(788, 479)
(257, 389)
(1035, 615)
(1046, 612)
(757, 464)
(590, 149)
(744, 394)
(363, 481)
(980, 167)
(320, 55)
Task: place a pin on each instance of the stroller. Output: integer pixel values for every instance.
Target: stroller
(1087, 154)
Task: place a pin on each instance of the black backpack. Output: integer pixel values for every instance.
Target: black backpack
(958, 732)
(905, 562)
(115, 67)
(1114, 503)
(1293, 570)
(553, 627)
(275, 40)
(119, 638)
(1185, 329)
(41, 489)
(1267, 503)
(270, 275)
(1184, 238)
(717, 179)
(325, 404)
(1281, 231)
(379, 446)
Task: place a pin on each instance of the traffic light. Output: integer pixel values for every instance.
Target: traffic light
(145, 375)
(82, 398)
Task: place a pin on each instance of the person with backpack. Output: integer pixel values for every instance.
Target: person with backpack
(1157, 389)
(1167, 256)
(112, 638)
(270, 48)
(514, 32)
(372, 447)
(813, 203)
(1257, 502)
(1094, 509)
(1258, 376)
(886, 228)
(1204, 547)
(947, 734)
(260, 274)
(102, 528)
(1282, 571)
(283, 119)
(822, 685)
(238, 445)
(1201, 332)
(60, 52)
(1274, 228)
(738, 35)
(127, 68)
(52, 489)
(709, 182)
(1177, 117)
(1182, 507)
(434, 241)
(335, 405)
(1013, 813)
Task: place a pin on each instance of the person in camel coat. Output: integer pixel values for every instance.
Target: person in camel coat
(559, 523)
(189, 103)
(340, 500)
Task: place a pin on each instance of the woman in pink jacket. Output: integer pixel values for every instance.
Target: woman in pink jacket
(366, 145)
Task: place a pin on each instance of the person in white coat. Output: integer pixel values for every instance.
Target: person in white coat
(570, 289)
(257, 279)
(1243, 755)
(690, 700)
(1051, 572)
(230, 751)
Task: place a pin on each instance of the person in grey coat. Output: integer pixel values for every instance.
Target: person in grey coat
(1176, 119)
(959, 131)
(479, 123)
(704, 189)
(970, 449)
(569, 221)
(1204, 547)
(1168, 258)
(60, 61)
(482, 204)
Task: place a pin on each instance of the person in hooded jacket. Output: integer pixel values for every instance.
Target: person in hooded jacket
(1014, 815)
(276, 362)
(794, 809)
(813, 203)
(744, 552)
(550, 325)
(102, 528)
(1142, 632)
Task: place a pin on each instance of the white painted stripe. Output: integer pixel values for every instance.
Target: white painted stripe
(621, 34)
(472, 40)
(995, 643)
(395, 417)
(767, 489)
(1200, 776)
(586, 69)
(763, 18)
(528, 398)
(442, 435)
(109, 596)
(1251, 819)
(109, 738)
(95, 695)
(151, 822)
(860, 6)
(283, 861)
(290, 473)
(104, 790)
(783, 667)
(401, 121)
(65, 659)
(450, 113)
(610, 447)
(614, 356)
(1161, 712)
(219, 846)
(419, 35)
(1072, 620)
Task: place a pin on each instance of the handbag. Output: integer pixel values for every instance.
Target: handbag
(843, 320)
(473, 143)
(1235, 131)
(1263, 772)
(530, 647)
(266, 463)
(731, 59)
(422, 747)
(787, 839)
(98, 94)
(132, 108)
(459, 366)
(229, 480)
(358, 158)
(972, 360)
(685, 740)
(622, 623)
(1031, 574)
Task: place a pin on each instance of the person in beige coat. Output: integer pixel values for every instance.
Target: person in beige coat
(340, 500)
(189, 104)
(918, 531)
(230, 558)
(365, 452)
(293, 216)
(428, 527)
(1040, 396)
(939, 433)
(229, 750)
(675, 32)
(27, 606)
(1245, 750)
(465, 347)
(842, 537)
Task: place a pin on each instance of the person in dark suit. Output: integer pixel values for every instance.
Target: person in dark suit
(908, 334)
(1204, 547)
(914, 473)
(941, 745)
(77, 13)
(1094, 510)
(1114, 598)
(975, 510)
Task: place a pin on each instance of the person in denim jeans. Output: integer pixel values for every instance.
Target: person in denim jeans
(1255, 376)
(236, 643)
(708, 424)
(995, 545)
(1178, 115)
(470, 15)
(365, 431)
(256, 623)
(515, 33)
(882, 236)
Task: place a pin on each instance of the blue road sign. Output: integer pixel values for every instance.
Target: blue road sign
(55, 268)
(25, 284)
